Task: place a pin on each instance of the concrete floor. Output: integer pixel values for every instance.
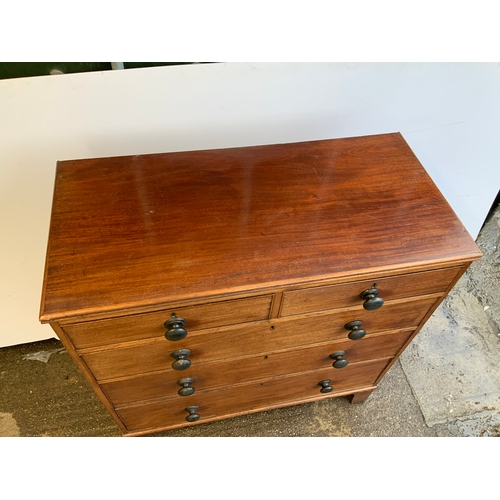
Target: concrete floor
(446, 383)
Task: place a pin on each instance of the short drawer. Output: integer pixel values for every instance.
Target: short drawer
(322, 298)
(255, 396)
(149, 325)
(240, 370)
(255, 338)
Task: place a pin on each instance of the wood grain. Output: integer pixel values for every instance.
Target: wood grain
(245, 369)
(250, 396)
(143, 326)
(138, 230)
(264, 252)
(254, 338)
(330, 297)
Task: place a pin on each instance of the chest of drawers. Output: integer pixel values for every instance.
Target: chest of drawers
(201, 285)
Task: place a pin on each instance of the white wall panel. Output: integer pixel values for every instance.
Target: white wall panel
(448, 112)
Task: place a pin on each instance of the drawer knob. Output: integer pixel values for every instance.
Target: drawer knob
(175, 329)
(193, 416)
(181, 362)
(185, 383)
(325, 386)
(371, 299)
(356, 333)
(340, 361)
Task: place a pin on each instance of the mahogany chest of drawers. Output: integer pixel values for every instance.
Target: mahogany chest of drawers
(195, 286)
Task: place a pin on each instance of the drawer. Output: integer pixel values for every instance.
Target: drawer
(344, 295)
(240, 370)
(234, 400)
(148, 325)
(262, 337)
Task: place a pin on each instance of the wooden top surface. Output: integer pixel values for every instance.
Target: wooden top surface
(144, 230)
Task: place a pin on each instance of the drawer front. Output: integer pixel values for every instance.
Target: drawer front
(254, 338)
(148, 325)
(345, 295)
(233, 400)
(240, 370)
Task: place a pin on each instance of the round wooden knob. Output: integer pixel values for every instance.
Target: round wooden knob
(181, 362)
(325, 386)
(175, 329)
(356, 332)
(371, 299)
(185, 383)
(340, 361)
(193, 416)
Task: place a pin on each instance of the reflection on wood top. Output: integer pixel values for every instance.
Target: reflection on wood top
(143, 230)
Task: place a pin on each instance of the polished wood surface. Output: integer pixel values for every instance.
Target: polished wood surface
(146, 230)
(144, 326)
(396, 287)
(151, 325)
(244, 369)
(255, 338)
(264, 252)
(254, 395)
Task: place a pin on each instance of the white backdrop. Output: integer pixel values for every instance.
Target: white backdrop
(448, 112)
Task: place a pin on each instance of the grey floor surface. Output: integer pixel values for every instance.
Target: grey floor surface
(446, 383)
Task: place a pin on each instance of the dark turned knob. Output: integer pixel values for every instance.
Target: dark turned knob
(356, 333)
(181, 363)
(325, 386)
(185, 383)
(175, 329)
(193, 416)
(340, 361)
(371, 300)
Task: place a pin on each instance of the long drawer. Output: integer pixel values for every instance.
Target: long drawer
(237, 399)
(148, 325)
(322, 298)
(239, 370)
(254, 338)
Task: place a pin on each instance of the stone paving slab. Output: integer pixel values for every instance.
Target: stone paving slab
(485, 424)
(484, 275)
(453, 364)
